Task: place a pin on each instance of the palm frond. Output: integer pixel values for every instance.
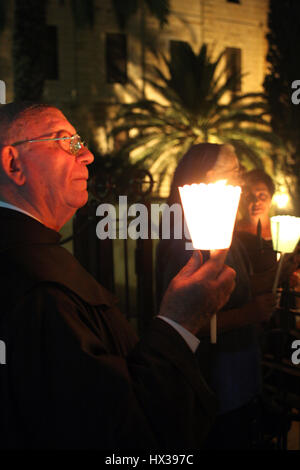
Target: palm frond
(194, 88)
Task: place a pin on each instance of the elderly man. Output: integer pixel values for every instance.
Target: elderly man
(76, 376)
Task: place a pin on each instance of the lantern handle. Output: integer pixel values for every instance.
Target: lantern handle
(219, 255)
(278, 271)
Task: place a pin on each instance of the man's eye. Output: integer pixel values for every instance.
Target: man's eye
(62, 134)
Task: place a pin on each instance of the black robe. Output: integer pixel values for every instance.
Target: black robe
(76, 376)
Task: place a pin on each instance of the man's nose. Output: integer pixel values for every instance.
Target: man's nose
(85, 156)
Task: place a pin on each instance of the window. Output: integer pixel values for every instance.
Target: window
(233, 62)
(51, 53)
(116, 58)
(233, 1)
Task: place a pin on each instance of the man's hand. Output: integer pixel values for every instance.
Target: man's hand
(198, 291)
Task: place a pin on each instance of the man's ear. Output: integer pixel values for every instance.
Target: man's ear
(12, 165)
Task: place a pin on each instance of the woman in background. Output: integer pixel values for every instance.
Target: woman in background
(254, 228)
(254, 231)
(232, 366)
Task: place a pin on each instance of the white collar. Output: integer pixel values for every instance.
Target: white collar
(6, 205)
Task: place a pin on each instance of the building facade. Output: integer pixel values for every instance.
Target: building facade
(82, 61)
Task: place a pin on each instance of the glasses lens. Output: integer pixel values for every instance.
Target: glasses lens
(76, 144)
(72, 144)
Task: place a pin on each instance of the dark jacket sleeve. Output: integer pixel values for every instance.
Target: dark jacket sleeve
(69, 384)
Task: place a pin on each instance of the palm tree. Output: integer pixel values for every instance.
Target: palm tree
(194, 111)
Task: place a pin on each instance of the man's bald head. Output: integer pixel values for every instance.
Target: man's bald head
(40, 175)
(15, 120)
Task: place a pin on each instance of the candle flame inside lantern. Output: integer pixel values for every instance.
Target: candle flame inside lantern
(210, 213)
(285, 232)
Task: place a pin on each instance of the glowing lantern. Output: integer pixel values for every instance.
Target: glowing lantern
(285, 232)
(210, 213)
(281, 200)
(285, 235)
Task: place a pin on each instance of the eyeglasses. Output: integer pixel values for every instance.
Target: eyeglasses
(72, 144)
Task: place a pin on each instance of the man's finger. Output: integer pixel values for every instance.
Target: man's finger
(211, 268)
(226, 284)
(227, 278)
(194, 263)
(219, 256)
(223, 286)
